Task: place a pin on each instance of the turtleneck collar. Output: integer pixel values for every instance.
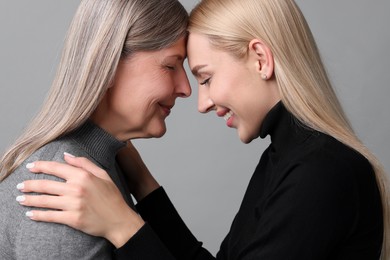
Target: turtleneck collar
(99, 144)
(284, 129)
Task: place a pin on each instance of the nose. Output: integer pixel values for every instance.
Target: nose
(183, 88)
(205, 104)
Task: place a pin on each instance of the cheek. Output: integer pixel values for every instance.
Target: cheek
(222, 90)
(160, 85)
(228, 95)
(139, 102)
(166, 85)
(126, 103)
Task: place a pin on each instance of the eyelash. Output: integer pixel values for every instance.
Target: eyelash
(205, 82)
(170, 67)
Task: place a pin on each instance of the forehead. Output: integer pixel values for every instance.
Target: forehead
(198, 49)
(176, 49)
(203, 55)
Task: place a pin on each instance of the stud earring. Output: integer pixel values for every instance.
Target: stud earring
(264, 76)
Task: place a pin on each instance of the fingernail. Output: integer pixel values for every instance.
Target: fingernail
(20, 198)
(20, 186)
(70, 155)
(30, 165)
(29, 214)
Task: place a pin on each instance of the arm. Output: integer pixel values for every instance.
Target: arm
(104, 215)
(139, 179)
(81, 207)
(157, 210)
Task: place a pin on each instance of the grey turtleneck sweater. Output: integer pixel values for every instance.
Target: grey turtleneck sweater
(22, 238)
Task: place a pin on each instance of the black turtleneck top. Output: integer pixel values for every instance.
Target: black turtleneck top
(310, 197)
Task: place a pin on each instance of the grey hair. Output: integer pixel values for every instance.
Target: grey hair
(101, 33)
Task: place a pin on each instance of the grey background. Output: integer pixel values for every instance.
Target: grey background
(200, 162)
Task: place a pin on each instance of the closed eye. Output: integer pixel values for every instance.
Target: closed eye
(170, 67)
(205, 82)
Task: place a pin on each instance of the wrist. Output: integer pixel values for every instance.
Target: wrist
(125, 230)
(144, 189)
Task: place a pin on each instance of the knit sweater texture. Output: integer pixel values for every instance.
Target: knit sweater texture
(22, 238)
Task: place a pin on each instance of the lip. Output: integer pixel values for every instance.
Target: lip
(222, 113)
(229, 122)
(166, 109)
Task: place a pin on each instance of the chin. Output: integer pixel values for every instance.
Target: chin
(246, 141)
(151, 132)
(245, 138)
(157, 133)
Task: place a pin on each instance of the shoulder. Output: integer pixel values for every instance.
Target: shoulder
(326, 154)
(23, 236)
(324, 163)
(54, 150)
(58, 241)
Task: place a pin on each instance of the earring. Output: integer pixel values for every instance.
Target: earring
(264, 76)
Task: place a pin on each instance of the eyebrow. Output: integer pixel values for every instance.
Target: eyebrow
(195, 70)
(177, 56)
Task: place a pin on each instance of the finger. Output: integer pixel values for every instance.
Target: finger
(60, 217)
(87, 165)
(43, 186)
(61, 170)
(43, 201)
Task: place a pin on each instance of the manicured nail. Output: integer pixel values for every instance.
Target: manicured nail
(30, 165)
(29, 214)
(20, 198)
(20, 186)
(70, 155)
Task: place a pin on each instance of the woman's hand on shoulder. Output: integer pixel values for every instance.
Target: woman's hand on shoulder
(88, 200)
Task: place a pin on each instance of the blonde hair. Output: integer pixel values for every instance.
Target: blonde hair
(101, 33)
(302, 80)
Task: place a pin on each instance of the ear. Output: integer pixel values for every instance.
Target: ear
(263, 57)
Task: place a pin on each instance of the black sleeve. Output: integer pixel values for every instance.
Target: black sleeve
(144, 245)
(165, 233)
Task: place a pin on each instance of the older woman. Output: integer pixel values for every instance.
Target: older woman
(120, 74)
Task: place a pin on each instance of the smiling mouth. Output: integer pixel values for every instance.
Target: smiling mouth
(166, 109)
(228, 115)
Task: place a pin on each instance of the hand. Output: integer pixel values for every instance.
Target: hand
(139, 179)
(88, 201)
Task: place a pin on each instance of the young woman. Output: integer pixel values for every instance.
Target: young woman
(120, 56)
(317, 192)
